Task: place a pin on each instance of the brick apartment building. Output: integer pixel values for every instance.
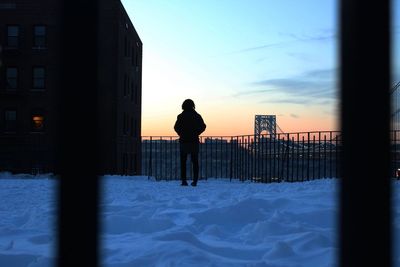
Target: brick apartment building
(30, 80)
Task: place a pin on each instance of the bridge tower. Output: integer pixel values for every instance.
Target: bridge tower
(265, 123)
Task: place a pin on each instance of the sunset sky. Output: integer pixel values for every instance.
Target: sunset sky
(239, 58)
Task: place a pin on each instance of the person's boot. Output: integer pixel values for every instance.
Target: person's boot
(184, 183)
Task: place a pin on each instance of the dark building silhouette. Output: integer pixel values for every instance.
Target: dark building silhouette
(30, 80)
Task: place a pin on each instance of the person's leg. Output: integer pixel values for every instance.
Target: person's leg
(194, 158)
(195, 162)
(183, 156)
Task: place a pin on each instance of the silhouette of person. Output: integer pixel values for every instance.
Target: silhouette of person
(189, 125)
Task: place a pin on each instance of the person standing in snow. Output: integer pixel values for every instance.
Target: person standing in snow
(189, 125)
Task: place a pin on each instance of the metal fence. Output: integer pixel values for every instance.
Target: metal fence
(266, 158)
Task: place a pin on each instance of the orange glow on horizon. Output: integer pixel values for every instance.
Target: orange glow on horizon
(230, 126)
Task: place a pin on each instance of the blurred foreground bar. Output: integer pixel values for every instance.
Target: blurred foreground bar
(365, 225)
(77, 161)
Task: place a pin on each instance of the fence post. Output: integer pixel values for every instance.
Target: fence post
(79, 154)
(365, 70)
(150, 158)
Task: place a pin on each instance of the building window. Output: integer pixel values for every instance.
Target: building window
(10, 121)
(37, 122)
(39, 36)
(11, 78)
(12, 36)
(39, 77)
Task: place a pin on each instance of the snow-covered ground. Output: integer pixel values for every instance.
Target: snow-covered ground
(149, 223)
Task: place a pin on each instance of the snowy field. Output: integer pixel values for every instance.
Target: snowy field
(149, 223)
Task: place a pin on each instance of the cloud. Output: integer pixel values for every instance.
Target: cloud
(295, 39)
(312, 87)
(294, 116)
(253, 92)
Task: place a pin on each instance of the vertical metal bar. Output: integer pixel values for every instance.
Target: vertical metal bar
(255, 158)
(249, 156)
(330, 155)
(319, 154)
(277, 156)
(292, 159)
(159, 157)
(164, 158)
(252, 155)
(150, 157)
(308, 156)
(325, 175)
(259, 156)
(282, 156)
(269, 157)
(227, 157)
(200, 158)
(231, 159)
(338, 158)
(211, 156)
(313, 158)
(242, 169)
(237, 162)
(161, 171)
(170, 157)
(396, 152)
(155, 158)
(365, 69)
(176, 158)
(263, 171)
(245, 159)
(221, 154)
(237, 159)
(79, 151)
(243, 155)
(274, 158)
(288, 156)
(157, 151)
(302, 158)
(394, 145)
(206, 163)
(297, 157)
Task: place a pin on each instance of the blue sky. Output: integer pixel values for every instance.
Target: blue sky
(239, 58)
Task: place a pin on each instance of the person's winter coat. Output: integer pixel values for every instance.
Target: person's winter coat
(189, 125)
